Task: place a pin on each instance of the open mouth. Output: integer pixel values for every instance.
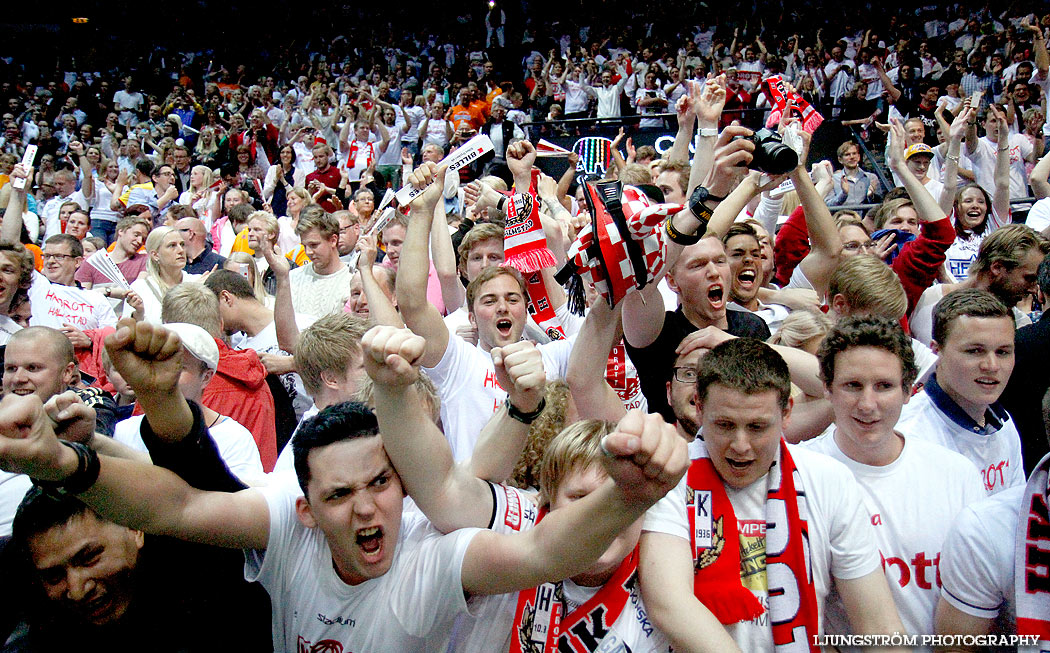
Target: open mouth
(739, 464)
(746, 278)
(504, 327)
(22, 392)
(987, 383)
(716, 295)
(371, 541)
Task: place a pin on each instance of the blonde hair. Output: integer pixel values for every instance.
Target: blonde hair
(801, 326)
(206, 176)
(869, 286)
(634, 174)
(328, 345)
(550, 422)
(193, 303)
(577, 447)
(255, 279)
(154, 241)
(424, 386)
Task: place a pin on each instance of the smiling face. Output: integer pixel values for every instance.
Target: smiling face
(59, 263)
(498, 312)
(31, 366)
(745, 260)
(919, 164)
(975, 363)
(576, 485)
(87, 566)
(701, 278)
(355, 498)
(971, 208)
(132, 238)
(742, 432)
(867, 395)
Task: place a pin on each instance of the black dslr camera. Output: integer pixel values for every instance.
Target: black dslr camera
(771, 156)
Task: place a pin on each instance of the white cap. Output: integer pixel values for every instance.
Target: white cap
(198, 342)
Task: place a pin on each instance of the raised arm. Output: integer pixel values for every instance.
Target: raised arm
(380, 308)
(955, 132)
(1001, 197)
(420, 315)
(823, 235)
(283, 310)
(132, 493)
(11, 229)
(592, 394)
(1040, 177)
(448, 494)
(925, 206)
(646, 458)
(686, 116)
(444, 256)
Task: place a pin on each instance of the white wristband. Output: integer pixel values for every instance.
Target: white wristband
(708, 132)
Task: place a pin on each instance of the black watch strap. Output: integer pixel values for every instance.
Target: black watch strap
(526, 418)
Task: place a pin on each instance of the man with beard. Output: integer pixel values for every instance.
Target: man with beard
(1007, 266)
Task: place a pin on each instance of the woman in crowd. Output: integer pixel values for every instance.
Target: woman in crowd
(166, 252)
(298, 199)
(281, 178)
(199, 195)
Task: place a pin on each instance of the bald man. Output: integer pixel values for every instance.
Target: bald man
(200, 257)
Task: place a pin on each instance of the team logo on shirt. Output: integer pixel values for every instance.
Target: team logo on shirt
(708, 556)
(323, 646)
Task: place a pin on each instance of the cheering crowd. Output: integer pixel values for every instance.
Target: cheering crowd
(281, 374)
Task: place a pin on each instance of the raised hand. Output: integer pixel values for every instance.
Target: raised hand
(431, 177)
(276, 260)
(366, 245)
(520, 157)
(897, 144)
(646, 458)
(73, 419)
(957, 130)
(148, 356)
(480, 195)
(391, 355)
(519, 371)
(708, 100)
(28, 444)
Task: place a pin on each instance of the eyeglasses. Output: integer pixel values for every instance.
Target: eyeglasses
(685, 374)
(352, 227)
(58, 257)
(854, 246)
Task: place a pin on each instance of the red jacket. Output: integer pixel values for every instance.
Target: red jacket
(238, 390)
(916, 266)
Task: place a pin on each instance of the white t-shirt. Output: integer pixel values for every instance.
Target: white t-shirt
(13, 488)
(319, 295)
(54, 305)
(984, 164)
(977, 559)
(841, 537)
(50, 212)
(265, 342)
(910, 533)
(575, 97)
(412, 607)
(650, 109)
(152, 297)
(490, 626)
(1039, 215)
(235, 443)
(996, 455)
(466, 382)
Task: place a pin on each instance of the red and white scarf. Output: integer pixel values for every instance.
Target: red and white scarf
(716, 552)
(351, 159)
(780, 97)
(1032, 557)
(525, 249)
(541, 627)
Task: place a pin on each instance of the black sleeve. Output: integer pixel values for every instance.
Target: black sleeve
(105, 408)
(195, 458)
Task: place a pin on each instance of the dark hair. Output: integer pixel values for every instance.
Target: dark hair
(346, 421)
(1044, 276)
(240, 213)
(746, 365)
(75, 248)
(739, 229)
(39, 512)
(179, 211)
(970, 302)
(867, 331)
(145, 166)
(231, 282)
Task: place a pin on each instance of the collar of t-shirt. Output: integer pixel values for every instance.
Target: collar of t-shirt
(994, 417)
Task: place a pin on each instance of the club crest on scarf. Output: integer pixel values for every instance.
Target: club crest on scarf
(623, 248)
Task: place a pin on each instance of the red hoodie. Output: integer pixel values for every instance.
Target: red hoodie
(239, 391)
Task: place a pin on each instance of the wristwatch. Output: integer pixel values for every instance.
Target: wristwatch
(525, 418)
(697, 206)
